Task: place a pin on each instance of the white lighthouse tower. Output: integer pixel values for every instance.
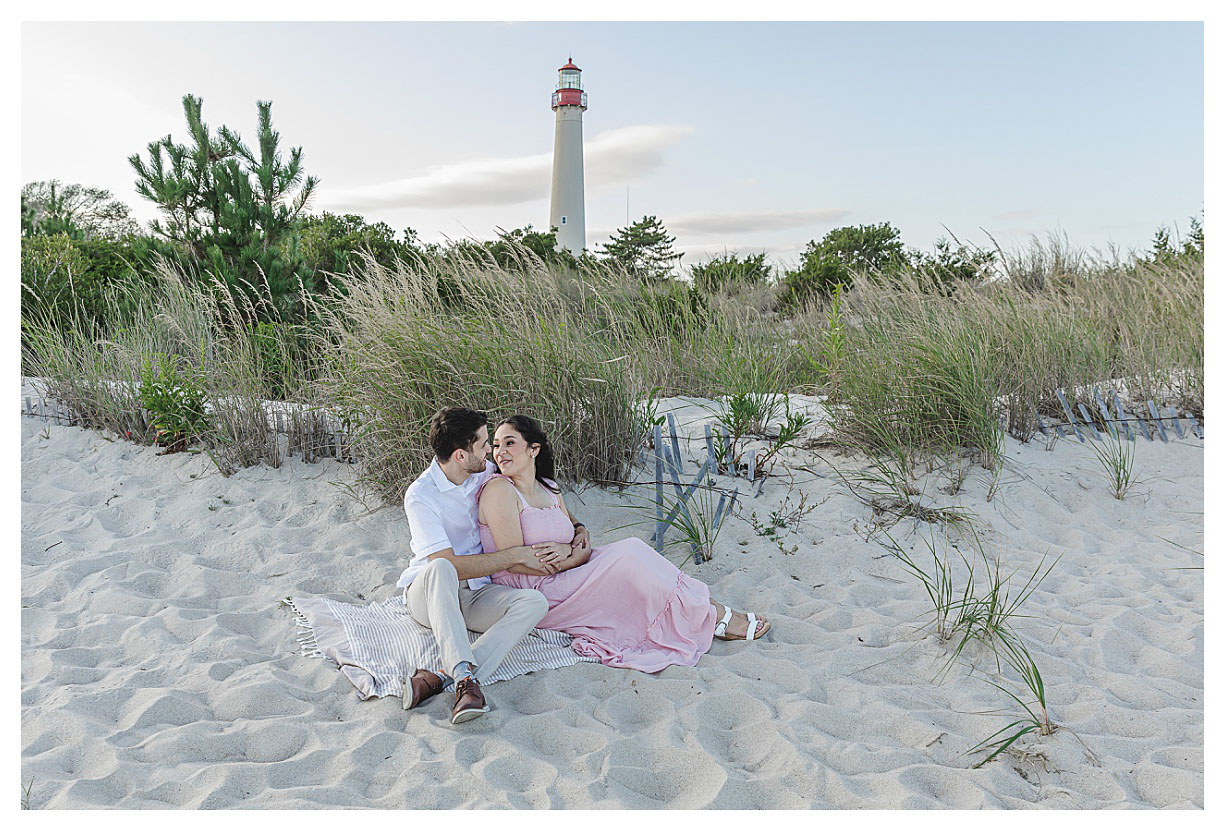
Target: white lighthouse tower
(566, 212)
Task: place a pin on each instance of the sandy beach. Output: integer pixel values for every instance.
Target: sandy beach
(158, 668)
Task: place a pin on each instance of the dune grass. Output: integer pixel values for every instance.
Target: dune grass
(404, 342)
(915, 374)
(910, 373)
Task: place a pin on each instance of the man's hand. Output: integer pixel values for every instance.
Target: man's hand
(581, 544)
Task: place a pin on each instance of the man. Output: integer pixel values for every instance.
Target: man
(447, 585)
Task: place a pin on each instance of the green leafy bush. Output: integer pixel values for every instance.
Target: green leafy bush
(174, 401)
(838, 257)
(729, 271)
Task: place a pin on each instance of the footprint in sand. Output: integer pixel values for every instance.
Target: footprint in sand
(634, 709)
(669, 777)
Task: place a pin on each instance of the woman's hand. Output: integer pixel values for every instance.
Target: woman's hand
(552, 555)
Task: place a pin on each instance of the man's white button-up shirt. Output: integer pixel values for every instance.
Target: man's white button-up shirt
(443, 515)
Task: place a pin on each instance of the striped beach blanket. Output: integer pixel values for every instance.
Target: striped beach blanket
(379, 645)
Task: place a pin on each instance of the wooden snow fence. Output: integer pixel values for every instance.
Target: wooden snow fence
(1118, 423)
(670, 472)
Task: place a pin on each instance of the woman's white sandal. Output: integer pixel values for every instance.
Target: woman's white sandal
(750, 633)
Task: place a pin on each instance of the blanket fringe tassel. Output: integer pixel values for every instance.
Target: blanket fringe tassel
(309, 647)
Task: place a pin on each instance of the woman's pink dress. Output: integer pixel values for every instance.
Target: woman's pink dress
(626, 607)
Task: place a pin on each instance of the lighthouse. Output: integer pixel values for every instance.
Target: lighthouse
(566, 202)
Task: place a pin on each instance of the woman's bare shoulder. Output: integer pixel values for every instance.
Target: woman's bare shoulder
(499, 488)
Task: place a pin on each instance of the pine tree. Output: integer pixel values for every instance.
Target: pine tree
(232, 212)
(644, 249)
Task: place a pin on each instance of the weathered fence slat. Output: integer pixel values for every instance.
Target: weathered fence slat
(681, 498)
(659, 487)
(1084, 411)
(676, 445)
(1068, 412)
(1101, 405)
(1118, 408)
(1177, 423)
(1142, 423)
(1195, 428)
(1152, 408)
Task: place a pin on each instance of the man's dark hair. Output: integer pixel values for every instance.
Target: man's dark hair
(454, 428)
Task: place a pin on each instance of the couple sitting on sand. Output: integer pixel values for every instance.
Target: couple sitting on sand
(496, 551)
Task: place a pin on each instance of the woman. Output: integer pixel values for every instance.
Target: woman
(623, 602)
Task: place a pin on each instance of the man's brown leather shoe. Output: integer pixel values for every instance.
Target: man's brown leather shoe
(421, 686)
(469, 702)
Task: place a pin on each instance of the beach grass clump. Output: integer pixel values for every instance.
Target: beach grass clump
(699, 519)
(927, 372)
(950, 605)
(1116, 454)
(404, 342)
(905, 376)
(968, 609)
(1036, 717)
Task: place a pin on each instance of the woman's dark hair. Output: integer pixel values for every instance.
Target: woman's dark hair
(533, 433)
(454, 428)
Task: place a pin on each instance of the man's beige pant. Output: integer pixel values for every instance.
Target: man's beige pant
(504, 615)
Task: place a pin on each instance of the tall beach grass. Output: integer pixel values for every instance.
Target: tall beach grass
(909, 370)
(922, 373)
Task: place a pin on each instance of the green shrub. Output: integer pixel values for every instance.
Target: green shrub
(729, 271)
(838, 257)
(94, 279)
(175, 401)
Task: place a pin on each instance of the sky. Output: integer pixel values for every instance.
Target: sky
(738, 136)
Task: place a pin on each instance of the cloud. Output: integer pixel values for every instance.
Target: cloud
(750, 221)
(610, 158)
(626, 153)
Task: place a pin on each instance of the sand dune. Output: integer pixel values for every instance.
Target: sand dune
(158, 669)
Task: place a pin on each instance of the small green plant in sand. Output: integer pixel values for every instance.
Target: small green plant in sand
(789, 430)
(830, 349)
(25, 794)
(745, 414)
(984, 614)
(698, 521)
(1036, 718)
(1116, 454)
(949, 606)
(981, 610)
(887, 486)
(174, 401)
(786, 516)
